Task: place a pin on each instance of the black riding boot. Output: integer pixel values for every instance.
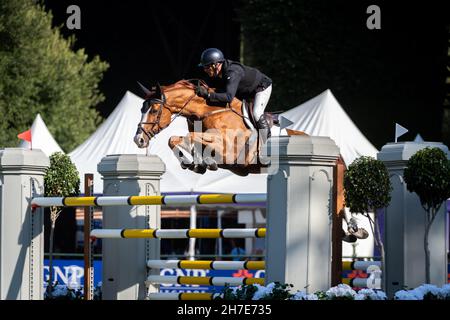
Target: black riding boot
(264, 127)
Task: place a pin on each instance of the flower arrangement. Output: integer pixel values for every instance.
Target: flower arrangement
(277, 291)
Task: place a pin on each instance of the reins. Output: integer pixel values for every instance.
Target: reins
(163, 102)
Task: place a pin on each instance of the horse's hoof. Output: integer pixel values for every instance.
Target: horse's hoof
(199, 169)
(210, 164)
(213, 167)
(184, 165)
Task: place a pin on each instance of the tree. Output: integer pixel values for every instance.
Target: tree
(367, 187)
(428, 174)
(307, 47)
(61, 180)
(41, 73)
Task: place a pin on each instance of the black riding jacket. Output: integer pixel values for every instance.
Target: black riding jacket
(237, 81)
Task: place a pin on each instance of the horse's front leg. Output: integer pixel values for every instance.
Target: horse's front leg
(182, 148)
(188, 151)
(208, 149)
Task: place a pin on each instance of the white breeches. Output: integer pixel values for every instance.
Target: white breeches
(260, 103)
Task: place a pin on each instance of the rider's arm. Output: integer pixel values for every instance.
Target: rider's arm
(232, 83)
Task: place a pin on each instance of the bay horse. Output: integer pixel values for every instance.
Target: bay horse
(219, 136)
(223, 131)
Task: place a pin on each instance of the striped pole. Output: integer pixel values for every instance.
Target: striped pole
(206, 264)
(359, 265)
(209, 281)
(175, 200)
(247, 265)
(373, 283)
(182, 296)
(179, 233)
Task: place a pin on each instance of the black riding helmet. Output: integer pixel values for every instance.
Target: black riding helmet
(211, 55)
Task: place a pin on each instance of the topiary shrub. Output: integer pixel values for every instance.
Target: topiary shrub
(367, 187)
(427, 173)
(61, 180)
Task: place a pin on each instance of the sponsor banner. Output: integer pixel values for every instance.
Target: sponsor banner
(71, 274)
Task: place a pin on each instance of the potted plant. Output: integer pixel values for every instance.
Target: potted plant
(61, 180)
(428, 175)
(367, 187)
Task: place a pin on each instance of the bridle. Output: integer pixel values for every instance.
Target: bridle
(148, 107)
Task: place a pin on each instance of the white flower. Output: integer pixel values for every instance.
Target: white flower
(425, 288)
(445, 291)
(405, 295)
(312, 296)
(420, 292)
(60, 290)
(360, 296)
(73, 285)
(341, 290)
(262, 291)
(301, 295)
(370, 294)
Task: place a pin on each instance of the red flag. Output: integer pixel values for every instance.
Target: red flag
(26, 135)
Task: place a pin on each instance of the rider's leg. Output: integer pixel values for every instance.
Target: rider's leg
(260, 103)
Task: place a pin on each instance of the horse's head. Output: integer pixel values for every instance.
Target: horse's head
(155, 117)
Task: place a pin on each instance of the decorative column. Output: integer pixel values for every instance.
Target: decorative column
(21, 230)
(404, 222)
(125, 260)
(299, 211)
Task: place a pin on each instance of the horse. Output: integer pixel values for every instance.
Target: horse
(219, 136)
(223, 130)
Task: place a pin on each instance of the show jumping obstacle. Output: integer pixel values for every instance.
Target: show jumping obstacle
(300, 205)
(209, 281)
(207, 264)
(177, 200)
(179, 233)
(183, 296)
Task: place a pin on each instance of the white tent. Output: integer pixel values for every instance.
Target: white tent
(324, 116)
(41, 138)
(114, 136)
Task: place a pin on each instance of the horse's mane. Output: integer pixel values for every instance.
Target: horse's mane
(182, 84)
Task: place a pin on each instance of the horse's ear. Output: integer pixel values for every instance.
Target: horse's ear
(146, 92)
(158, 90)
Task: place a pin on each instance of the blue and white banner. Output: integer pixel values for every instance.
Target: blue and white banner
(71, 274)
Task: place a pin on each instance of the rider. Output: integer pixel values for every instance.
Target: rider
(232, 79)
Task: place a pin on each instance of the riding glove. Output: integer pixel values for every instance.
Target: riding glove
(202, 92)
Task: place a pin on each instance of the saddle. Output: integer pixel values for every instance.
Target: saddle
(247, 111)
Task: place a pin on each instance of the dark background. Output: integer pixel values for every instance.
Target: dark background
(396, 74)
